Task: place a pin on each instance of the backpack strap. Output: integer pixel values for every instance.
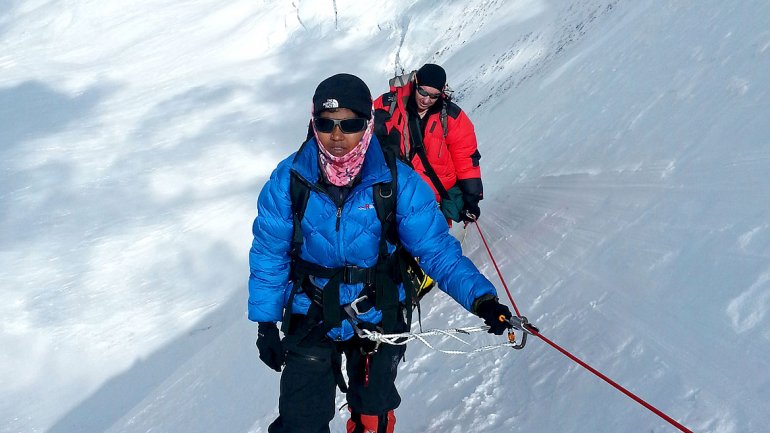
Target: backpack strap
(386, 279)
(419, 149)
(401, 262)
(393, 104)
(299, 191)
(443, 117)
(385, 202)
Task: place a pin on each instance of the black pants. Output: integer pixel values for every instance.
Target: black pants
(312, 373)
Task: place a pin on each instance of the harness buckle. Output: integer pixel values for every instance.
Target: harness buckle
(352, 274)
(354, 305)
(349, 274)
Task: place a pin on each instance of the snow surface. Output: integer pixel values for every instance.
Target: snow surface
(626, 151)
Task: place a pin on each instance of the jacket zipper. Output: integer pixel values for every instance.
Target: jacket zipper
(338, 203)
(339, 216)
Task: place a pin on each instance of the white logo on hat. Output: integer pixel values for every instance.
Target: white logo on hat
(331, 103)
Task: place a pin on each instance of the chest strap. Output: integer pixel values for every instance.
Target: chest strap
(380, 287)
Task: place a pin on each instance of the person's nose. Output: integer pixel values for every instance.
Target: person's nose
(337, 134)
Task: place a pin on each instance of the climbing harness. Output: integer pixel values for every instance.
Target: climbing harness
(380, 282)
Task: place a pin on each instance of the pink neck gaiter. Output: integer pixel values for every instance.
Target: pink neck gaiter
(341, 170)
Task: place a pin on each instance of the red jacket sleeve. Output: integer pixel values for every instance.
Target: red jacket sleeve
(462, 145)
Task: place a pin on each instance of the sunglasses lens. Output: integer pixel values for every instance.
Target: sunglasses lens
(350, 126)
(424, 92)
(323, 125)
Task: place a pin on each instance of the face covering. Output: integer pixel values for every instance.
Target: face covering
(341, 170)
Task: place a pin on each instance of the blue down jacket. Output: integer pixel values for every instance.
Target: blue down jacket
(421, 227)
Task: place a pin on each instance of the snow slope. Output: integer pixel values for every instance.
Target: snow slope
(625, 154)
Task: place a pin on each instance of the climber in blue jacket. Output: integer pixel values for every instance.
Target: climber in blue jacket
(322, 265)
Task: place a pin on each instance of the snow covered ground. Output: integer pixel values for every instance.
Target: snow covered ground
(626, 154)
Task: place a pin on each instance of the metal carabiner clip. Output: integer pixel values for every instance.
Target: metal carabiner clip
(520, 323)
(354, 305)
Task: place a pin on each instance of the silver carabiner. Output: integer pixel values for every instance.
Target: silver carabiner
(520, 323)
(354, 305)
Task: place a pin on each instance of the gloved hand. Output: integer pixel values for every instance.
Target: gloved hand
(470, 212)
(473, 193)
(269, 345)
(490, 310)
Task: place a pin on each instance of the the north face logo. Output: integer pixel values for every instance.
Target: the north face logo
(331, 103)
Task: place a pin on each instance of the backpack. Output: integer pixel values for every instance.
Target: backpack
(380, 281)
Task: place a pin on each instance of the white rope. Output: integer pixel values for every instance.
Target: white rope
(403, 338)
(465, 233)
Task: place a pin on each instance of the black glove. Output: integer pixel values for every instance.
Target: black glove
(470, 212)
(473, 192)
(491, 311)
(269, 345)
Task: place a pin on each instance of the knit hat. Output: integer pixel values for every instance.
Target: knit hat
(343, 91)
(432, 76)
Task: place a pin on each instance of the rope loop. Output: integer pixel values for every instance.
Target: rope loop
(405, 337)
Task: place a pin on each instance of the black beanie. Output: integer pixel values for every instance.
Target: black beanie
(432, 76)
(343, 91)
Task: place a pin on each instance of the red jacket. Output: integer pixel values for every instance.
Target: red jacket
(454, 156)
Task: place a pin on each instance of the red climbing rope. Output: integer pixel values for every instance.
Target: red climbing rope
(534, 331)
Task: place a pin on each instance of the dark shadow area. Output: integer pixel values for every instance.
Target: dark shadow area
(33, 109)
(32, 196)
(212, 390)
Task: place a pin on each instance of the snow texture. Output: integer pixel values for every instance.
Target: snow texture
(626, 150)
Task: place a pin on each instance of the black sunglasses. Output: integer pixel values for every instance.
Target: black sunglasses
(347, 126)
(424, 92)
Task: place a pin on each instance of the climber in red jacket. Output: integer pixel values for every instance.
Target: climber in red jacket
(433, 134)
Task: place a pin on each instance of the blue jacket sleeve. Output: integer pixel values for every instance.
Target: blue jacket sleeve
(425, 234)
(269, 258)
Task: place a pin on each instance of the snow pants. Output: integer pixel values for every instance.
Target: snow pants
(313, 372)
